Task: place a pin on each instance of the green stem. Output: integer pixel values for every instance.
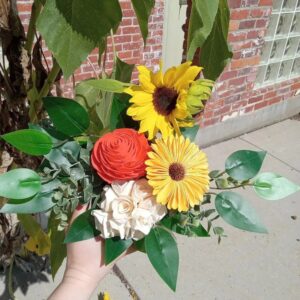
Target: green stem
(35, 12)
(231, 188)
(115, 55)
(36, 106)
(10, 282)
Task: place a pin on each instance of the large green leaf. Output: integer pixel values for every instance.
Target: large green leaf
(216, 53)
(19, 184)
(123, 71)
(201, 22)
(69, 47)
(114, 247)
(67, 115)
(29, 141)
(244, 164)
(58, 250)
(272, 186)
(143, 10)
(41, 202)
(163, 254)
(83, 228)
(238, 212)
(92, 19)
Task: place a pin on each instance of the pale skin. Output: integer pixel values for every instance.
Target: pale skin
(84, 270)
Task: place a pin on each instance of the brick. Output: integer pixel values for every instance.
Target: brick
(265, 2)
(241, 63)
(248, 24)
(234, 25)
(234, 3)
(274, 100)
(237, 36)
(260, 105)
(262, 23)
(255, 99)
(239, 14)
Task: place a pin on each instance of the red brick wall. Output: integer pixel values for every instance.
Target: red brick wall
(235, 92)
(128, 42)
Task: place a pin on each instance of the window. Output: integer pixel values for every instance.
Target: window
(280, 58)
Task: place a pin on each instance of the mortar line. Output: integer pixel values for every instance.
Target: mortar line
(117, 271)
(272, 155)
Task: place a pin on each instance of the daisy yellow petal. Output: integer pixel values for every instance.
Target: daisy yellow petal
(178, 172)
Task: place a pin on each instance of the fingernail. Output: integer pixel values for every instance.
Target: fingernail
(79, 207)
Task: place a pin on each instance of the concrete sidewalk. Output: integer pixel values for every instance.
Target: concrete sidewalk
(245, 265)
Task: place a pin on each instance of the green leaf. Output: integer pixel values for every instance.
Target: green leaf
(29, 141)
(39, 241)
(201, 22)
(68, 46)
(83, 228)
(19, 184)
(190, 132)
(215, 53)
(106, 85)
(62, 155)
(118, 112)
(272, 186)
(163, 254)
(143, 10)
(68, 116)
(114, 247)
(238, 212)
(39, 203)
(140, 245)
(244, 164)
(123, 71)
(92, 19)
(58, 250)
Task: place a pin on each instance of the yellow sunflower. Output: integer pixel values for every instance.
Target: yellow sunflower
(159, 102)
(178, 172)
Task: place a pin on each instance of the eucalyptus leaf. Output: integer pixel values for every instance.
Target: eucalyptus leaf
(190, 132)
(19, 184)
(114, 247)
(244, 164)
(238, 212)
(29, 141)
(271, 186)
(162, 252)
(83, 228)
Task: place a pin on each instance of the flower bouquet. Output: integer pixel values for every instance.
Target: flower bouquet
(143, 177)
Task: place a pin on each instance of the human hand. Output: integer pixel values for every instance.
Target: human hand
(85, 267)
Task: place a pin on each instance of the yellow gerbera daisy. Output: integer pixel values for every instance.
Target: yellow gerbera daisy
(178, 172)
(159, 102)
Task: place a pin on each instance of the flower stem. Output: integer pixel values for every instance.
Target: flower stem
(35, 12)
(36, 105)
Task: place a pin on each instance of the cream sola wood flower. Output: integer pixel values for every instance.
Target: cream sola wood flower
(159, 102)
(178, 172)
(129, 210)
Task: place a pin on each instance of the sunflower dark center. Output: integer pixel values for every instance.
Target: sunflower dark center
(164, 100)
(176, 171)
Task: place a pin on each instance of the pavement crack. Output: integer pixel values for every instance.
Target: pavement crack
(272, 155)
(117, 271)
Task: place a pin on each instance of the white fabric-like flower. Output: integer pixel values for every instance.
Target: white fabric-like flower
(129, 210)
